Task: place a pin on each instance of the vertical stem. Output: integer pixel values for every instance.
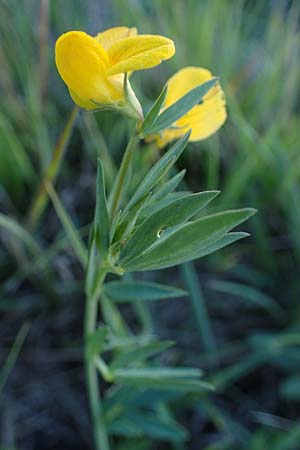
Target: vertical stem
(90, 322)
(41, 197)
(122, 174)
(91, 309)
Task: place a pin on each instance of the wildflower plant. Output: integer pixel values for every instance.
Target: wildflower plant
(154, 228)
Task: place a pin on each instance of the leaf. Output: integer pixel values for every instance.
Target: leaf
(157, 172)
(168, 187)
(124, 427)
(69, 227)
(14, 228)
(131, 342)
(249, 294)
(199, 305)
(228, 239)
(101, 220)
(127, 221)
(128, 291)
(164, 379)
(154, 111)
(114, 318)
(96, 341)
(12, 357)
(138, 354)
(175, 213)
(188, 241)
(154, 427)
(153, 207)
(178, 109)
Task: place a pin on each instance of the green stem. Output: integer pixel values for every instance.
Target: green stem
(122, 175)
(41, 197)
(91, 309)
(96, 409)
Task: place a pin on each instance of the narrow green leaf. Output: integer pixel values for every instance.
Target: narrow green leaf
(10, 361)
(152, 208)
(249, 294)
(72, 233)
(160, 373)
(175, 213)
(128, 342)
(154, 427)
(228, 239)
(158, 171)
(96, 341)
(15, 229)
(127, 221)
(92, 264)
(154, 111)
(168, 187)
(128, 291)
(101, 221)
(229, 375)
(170, 115)
(162, 379)
(139, 354)
(124, 427)
(114, 318)
(198, 302)
(188, 241)
(16, 148)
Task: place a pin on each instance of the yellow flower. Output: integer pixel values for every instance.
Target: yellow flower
(204, 119)
(93, 68)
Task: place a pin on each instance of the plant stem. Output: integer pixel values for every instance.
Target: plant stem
(122, 175)
(41, 197)
(90, 322)
(91, 309)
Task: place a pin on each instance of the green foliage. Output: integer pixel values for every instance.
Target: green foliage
(101, 222)
(152, 228)
(186, 241)
(124, 291)
(170, 115)
(249, 292)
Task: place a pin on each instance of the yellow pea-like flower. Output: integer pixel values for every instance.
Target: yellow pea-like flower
(204, 119)
(93, 68)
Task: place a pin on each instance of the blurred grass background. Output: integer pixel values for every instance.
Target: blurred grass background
(241, 324)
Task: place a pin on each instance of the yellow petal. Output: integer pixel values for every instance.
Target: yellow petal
(108, 37)
(139, 52)
(184, 81)
(83, 103)
(83, 63)
(203, 120)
